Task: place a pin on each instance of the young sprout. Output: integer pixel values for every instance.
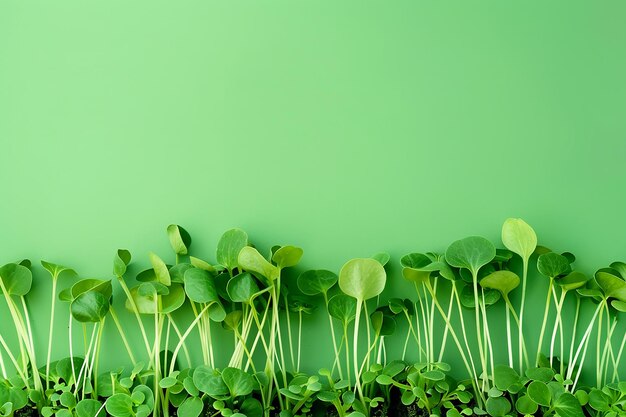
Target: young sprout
(521, 239)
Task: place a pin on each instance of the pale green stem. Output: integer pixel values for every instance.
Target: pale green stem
(576, 314)
(479, 397)
(558, 324)
(431, 322)
(517, 322)
(69, 327)
(131, 300)
(355, 343)
(543, 324)
(181, 341)
(122, 335)
(586, 335)
(293, 362)
(521, 315)
(598, 343)
(54, 292)
(299, 339)
(332, 332)
(179, 334)
(203, 347)
(508, 337)
(14, 362)
(472, 372)
(487, 333)
(345, 337)
(481, 349)
(445, 330)
(367, 326)
(424, 324)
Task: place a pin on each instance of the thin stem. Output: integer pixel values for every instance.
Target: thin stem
(570, 370)
(332, 332)
(508, 336)
(481, 350)
(291, 354)
(576, 314)
(521, 314)
(181, 341)
(178, 333)
(299, 338)
(445, 330)
(543, 324)
(355, 343)
(122, 335)
(54, 292)
(22, 375)
(557, 321)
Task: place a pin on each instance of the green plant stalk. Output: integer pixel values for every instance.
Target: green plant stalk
(487, 334)
(122, 335)
(275, 294)
(367, 326)
(479, 397)
(431, 324)
(576, 314)
(2, 367)
(54, 291)
(179, 334)
(209, 340)
(131, 300)
(14, 362)
(299, 339)
(181, 341)
(85, 366)
(521, 341)
(156, 357)
(445, 330)
(598, 343)
(22, 334)
(516, 318)
(250, 362)
(558, 325)
(355, 342)
(572, 365)
(425, 326)
(167, 343)
(333, 336)
(509, 344)
(345, 337)
(291, 354)
(481, 349)
(69, 331)
(608, 349)
(618, 359)
(472, 372)
(96, 362)
(203, 346)
(543, 324)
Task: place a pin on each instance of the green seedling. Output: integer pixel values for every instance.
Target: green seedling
(361, 279)
(520, 239)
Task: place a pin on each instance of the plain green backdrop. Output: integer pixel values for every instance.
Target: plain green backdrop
(343, 127)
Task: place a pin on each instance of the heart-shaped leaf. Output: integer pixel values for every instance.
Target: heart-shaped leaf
(498, 407)
(251, 260)
(611, 285)
(229, 246)
(519, 237)
(191, 407)
(120, 405)
(210, 382)
(505, 377)
(242, 287)
(539, 392)
(552, 264)
(89, 408)
(179, 239)
(342, 307)
(573, 280)
(239, 383)
(525, 405)
(17, 279)
(199, 286)
(287, 256)
(90, 306)
(316, 281)
(471, 253)
(362, 278)
(503, 281)
(56, 270)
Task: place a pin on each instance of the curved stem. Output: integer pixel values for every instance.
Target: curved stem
(54, 292)
(543, 324)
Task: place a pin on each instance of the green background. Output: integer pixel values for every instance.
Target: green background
(343, 127)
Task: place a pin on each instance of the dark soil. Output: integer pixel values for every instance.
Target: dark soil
(26, 412)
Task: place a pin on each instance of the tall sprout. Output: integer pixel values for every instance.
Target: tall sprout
(521, 239)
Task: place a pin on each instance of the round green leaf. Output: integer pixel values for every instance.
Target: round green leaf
(498, 406)
(287, 256)
(525, 405)
(552, 264)
(17, 279)
(573, 280)
(120, 405)
(611, 285)
(539, 393)
(90, 284)
(251, 407)
(191, 407)
(342, 307)
(316, 281)
(199, 286)
(505, 377)
(503, 281)
(519, 237)
(89, 408)
(362, 278)
(251, 260)
(239, 383)
(177, 272)
(471, 253)
(209, 381)
(179, 239)
(90, 306)
(242, 287)
(229, 246)
(567, 405)
(540, 374)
